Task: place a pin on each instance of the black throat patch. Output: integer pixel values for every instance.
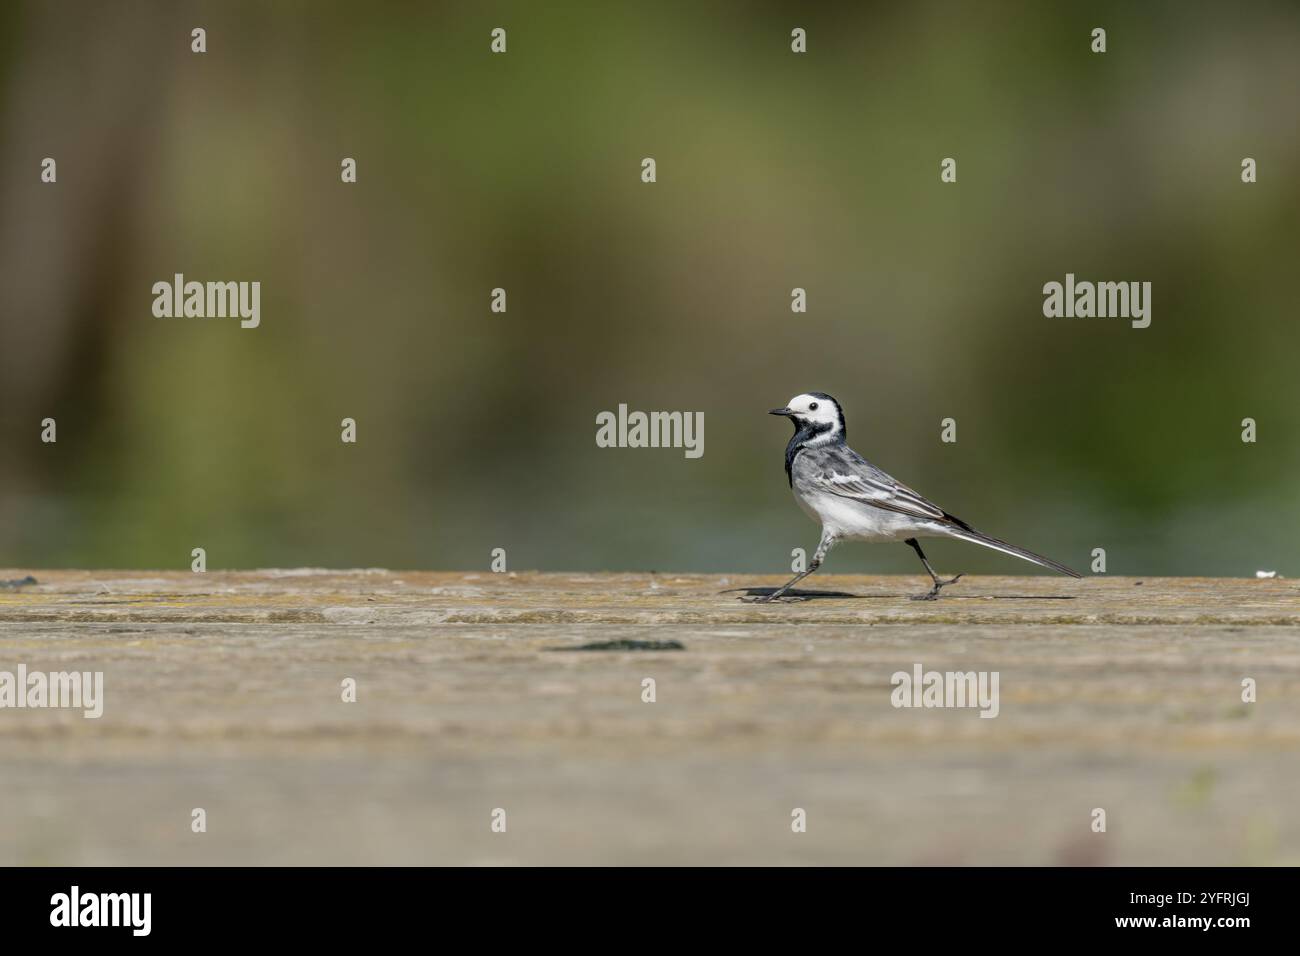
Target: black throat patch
(802, 435)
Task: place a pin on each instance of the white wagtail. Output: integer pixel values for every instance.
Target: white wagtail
(853, 499)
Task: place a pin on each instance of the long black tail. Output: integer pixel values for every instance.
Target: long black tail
(977, 537)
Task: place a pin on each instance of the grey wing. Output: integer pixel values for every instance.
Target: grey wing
(843, 472)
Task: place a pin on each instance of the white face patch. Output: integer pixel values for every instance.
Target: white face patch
(810, 408)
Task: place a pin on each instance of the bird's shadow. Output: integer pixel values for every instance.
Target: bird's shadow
(794, 594)
(750, 595)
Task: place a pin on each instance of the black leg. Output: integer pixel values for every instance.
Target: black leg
(823, 547)
(785, 587)
(938, 585)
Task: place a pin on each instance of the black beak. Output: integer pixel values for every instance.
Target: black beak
(782, 411)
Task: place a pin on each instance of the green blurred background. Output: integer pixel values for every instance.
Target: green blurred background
(775, 170)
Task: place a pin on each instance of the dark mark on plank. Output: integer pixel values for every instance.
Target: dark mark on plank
(625, 645)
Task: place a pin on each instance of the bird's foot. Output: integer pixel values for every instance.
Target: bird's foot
(770, 598)
(933, 593)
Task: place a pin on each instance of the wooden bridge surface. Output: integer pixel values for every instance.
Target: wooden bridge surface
(478, 691)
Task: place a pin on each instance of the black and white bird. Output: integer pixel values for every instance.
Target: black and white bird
(855, 500)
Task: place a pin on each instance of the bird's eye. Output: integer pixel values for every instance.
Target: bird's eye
(812, 407)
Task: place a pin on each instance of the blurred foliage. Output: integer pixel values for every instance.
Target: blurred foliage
(775, 170)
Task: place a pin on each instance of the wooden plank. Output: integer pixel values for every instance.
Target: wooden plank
(222, 691)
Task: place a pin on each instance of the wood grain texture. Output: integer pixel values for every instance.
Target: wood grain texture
(223, 692)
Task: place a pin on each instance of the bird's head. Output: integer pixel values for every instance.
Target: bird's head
(815, 412)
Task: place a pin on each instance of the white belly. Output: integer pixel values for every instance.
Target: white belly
(845, 518)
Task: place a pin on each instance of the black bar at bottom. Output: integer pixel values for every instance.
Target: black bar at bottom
(329, 906)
